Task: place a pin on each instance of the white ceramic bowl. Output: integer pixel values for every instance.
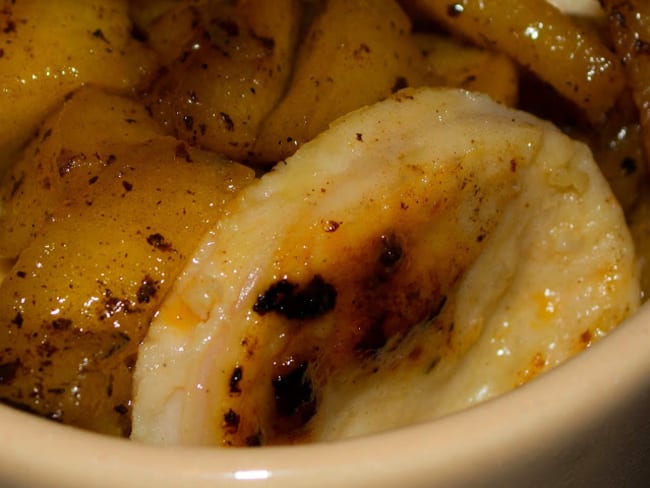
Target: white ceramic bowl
(586, 423)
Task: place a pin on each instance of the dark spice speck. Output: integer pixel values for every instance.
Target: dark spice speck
(158, 241)
(227, 121)
(100, 35)
(235, 378)
(147, 290)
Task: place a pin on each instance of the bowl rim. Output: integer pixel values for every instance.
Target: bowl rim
(508, 427)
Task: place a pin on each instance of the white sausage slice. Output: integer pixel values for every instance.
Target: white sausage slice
(422, 255)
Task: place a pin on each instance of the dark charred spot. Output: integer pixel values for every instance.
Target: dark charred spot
(331, 225)
(2, 52)
(18, 320)
(44, 364)
(294, 396)
(158, 241)
(130, 360)
(230, 28)
(68, 161)
(373, 339)
(266, 42)
(147, 290)
(100, 35)
(10, 27)
(182, 152)
(619, 17)
(642, 47)
(18, 183)
(61, 324)
(285, 298)
(254, 440)
(400, 83)
(391, 252)
(431, 366)
(46, 134)
(188, 120)
(362, 50)
(46, 349)
(139, 34)
(114, 305)
(629, 166)
(127, 186)
(438, 309)
(416, 353)
(8, 371)
(227, 121)
(235, 378)
(231, 421)
(21, 274)
(184, 56)
(121, 409)
(93, 180)
(359, 137)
